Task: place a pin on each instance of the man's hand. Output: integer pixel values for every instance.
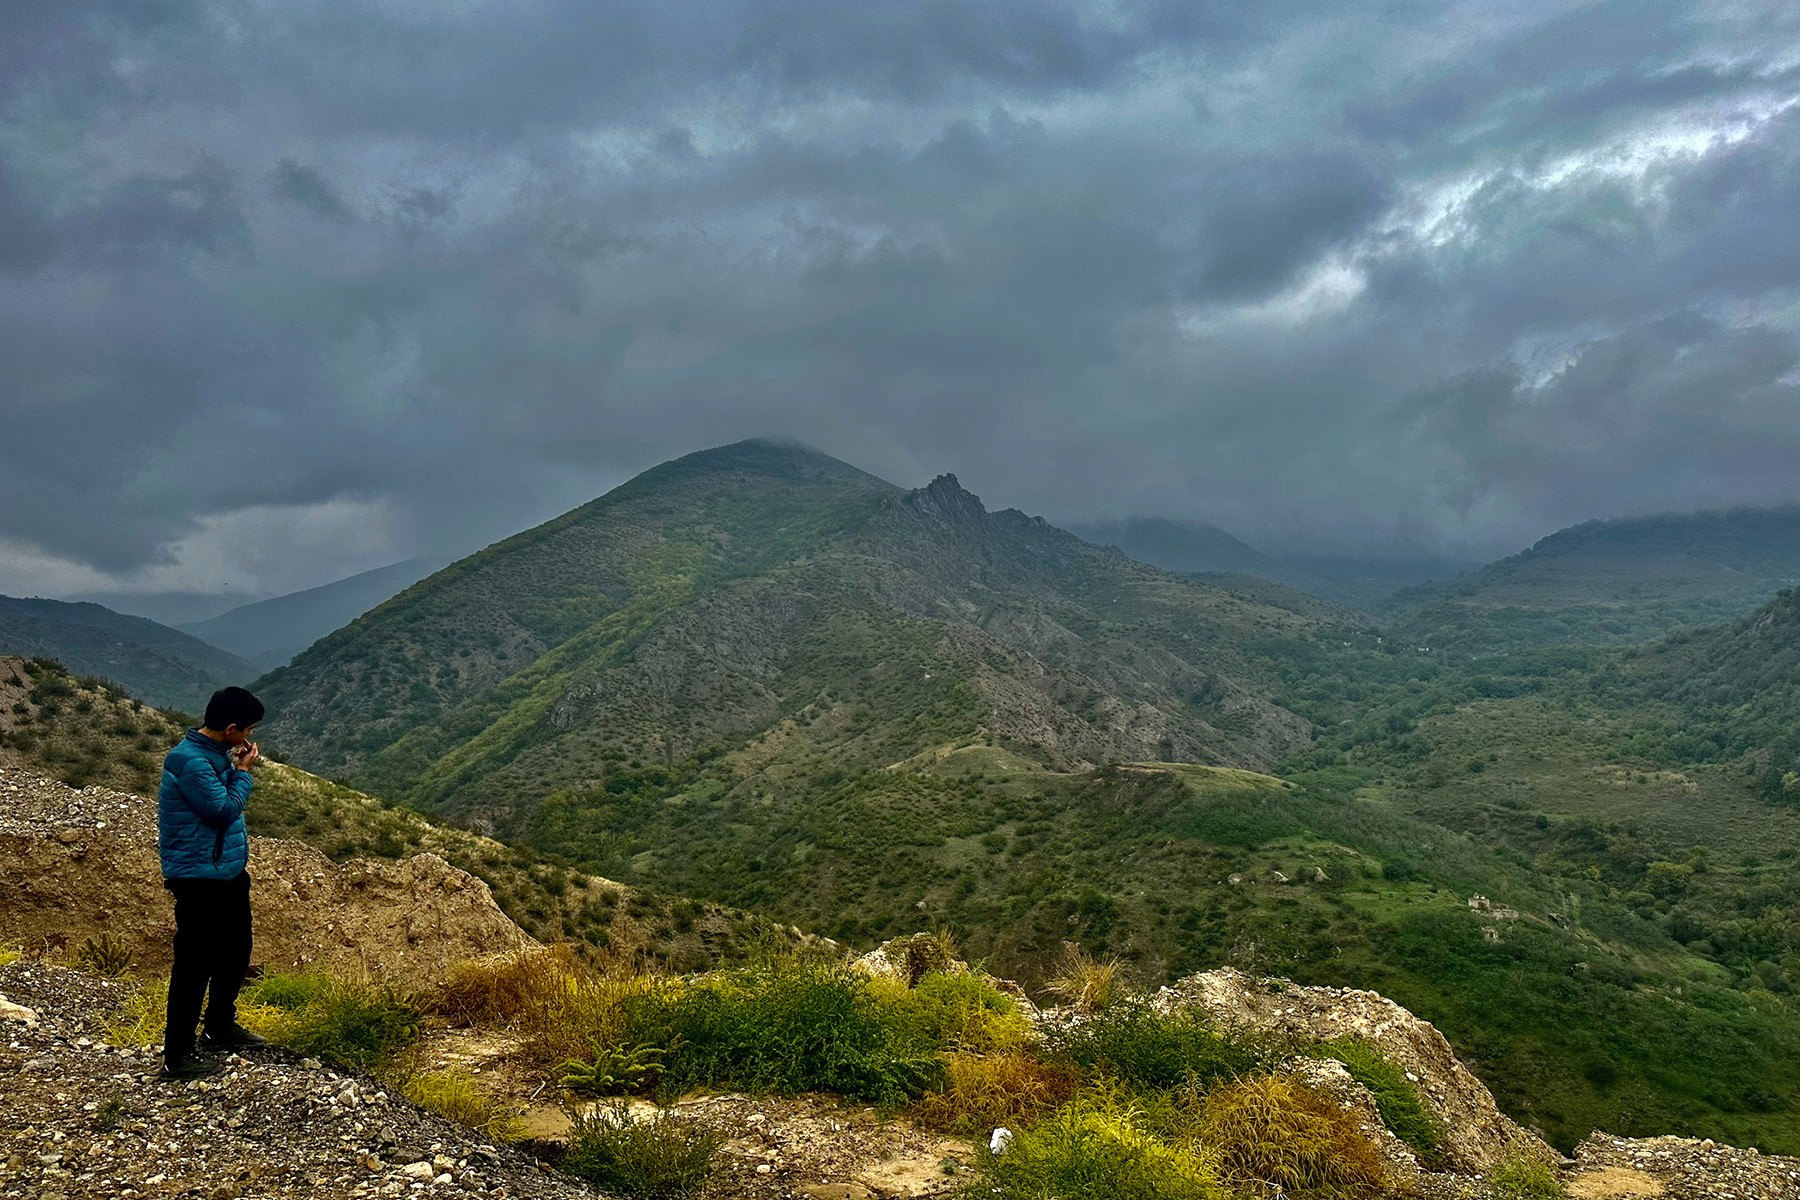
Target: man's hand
(247, 755)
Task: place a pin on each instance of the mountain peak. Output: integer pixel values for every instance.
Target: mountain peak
(946, 500)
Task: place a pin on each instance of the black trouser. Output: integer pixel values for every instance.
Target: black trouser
(212, 946)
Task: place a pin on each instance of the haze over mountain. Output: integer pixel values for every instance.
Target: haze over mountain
(269, 632)
(1612, 581)
(1197, 548)
(162, 665)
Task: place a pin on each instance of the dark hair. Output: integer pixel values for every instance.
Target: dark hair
(233, 706)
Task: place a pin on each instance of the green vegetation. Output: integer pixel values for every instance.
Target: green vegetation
(1521, 1178)
(789, 1027)
(1091, 1148)
(1147, 1050)
(655, 1157)
(356, 1027)
(1395, 1097)
(81, 730)
(456, 1095)
(104, 955)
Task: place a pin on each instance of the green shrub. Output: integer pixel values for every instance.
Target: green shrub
(960, 1010)
(659, 1157)
(1089, 1150)
(1401, 1109)
(139, 1021)
(350, 1025)
(787, 1026)
(613, 1070)
(1147, 1050)
(1523, 1177)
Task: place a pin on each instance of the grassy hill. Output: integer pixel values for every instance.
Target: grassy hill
(1610, 582)
(162, 665)
(270, 632)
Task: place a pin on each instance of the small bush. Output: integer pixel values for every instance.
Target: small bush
(454, 1094)
(920, 954)
(10, 953)
(659, 1157)
(585, 1011)
(1094, 1151)
(1151, 1051)
(786, 1025)
(613, 1071)
(982, 1091)
(1522, 1177)
(1281, 1137)
(1401, 1109)
(1085, 983)
(961, 1011)
(350, 1025)
(506, 989)
(287, 992)
(105, 955)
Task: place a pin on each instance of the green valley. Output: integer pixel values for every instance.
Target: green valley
(761, 678)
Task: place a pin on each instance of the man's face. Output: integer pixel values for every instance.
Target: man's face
(238, 737)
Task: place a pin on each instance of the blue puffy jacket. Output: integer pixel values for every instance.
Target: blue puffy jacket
(200, 811)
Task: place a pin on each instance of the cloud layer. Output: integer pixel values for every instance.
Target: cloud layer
(424, 274)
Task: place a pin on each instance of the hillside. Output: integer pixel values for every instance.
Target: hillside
(270, 632)
(56, 728)
(164, 666)
(765, 593)
(1610, 582)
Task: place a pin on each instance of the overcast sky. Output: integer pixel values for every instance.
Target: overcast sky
(289, 290)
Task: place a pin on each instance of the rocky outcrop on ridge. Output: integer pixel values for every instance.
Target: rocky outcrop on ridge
(1477, 1135)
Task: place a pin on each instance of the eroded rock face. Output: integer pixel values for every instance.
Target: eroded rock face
(81, 863)
(1476, 1134)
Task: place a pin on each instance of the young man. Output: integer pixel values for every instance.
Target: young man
(200, 835)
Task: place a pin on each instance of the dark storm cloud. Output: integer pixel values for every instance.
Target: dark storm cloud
(399, 278)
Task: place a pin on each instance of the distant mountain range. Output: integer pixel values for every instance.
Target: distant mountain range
(1614, 581)
(1197, 548)
(164, 666)
(270, 632)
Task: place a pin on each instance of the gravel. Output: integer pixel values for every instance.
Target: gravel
(85, 1119)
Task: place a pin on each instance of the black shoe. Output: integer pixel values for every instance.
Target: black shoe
(232, 1037)
(183, 1067)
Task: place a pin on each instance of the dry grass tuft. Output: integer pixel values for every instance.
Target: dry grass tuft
(506, 989)
(1277, 1137)
(1086, 983)
(456, 1095)
(982, 1091)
